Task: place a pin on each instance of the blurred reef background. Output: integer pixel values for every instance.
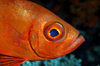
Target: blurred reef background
(84, 16)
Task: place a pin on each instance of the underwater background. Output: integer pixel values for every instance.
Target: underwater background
(84, 16)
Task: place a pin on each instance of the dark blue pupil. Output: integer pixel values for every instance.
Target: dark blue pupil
(54, 32)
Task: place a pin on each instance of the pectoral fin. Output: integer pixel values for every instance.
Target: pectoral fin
(6, 60)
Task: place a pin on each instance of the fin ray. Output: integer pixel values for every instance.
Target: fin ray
(6, 60)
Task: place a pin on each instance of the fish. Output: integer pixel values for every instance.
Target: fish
(29, 31)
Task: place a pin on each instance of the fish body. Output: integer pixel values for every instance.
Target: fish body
(30, 32)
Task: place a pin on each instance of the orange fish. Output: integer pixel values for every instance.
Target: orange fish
(31, 32)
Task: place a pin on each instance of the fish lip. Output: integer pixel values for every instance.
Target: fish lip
(78, 41)
(79, 37)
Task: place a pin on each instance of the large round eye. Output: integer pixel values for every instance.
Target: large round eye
(54, 31)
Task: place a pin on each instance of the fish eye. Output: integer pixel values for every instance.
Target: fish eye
(54, 31)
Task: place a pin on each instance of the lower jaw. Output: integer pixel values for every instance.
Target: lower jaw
(79, 40)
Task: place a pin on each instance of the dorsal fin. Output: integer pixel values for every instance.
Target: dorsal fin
(6, 60)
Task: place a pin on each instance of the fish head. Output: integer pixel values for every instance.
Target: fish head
(51, 37)
(32, 32)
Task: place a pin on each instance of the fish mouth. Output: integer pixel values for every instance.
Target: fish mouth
(79, 39)
(77, 42)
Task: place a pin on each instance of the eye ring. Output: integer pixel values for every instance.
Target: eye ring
(54, 31)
